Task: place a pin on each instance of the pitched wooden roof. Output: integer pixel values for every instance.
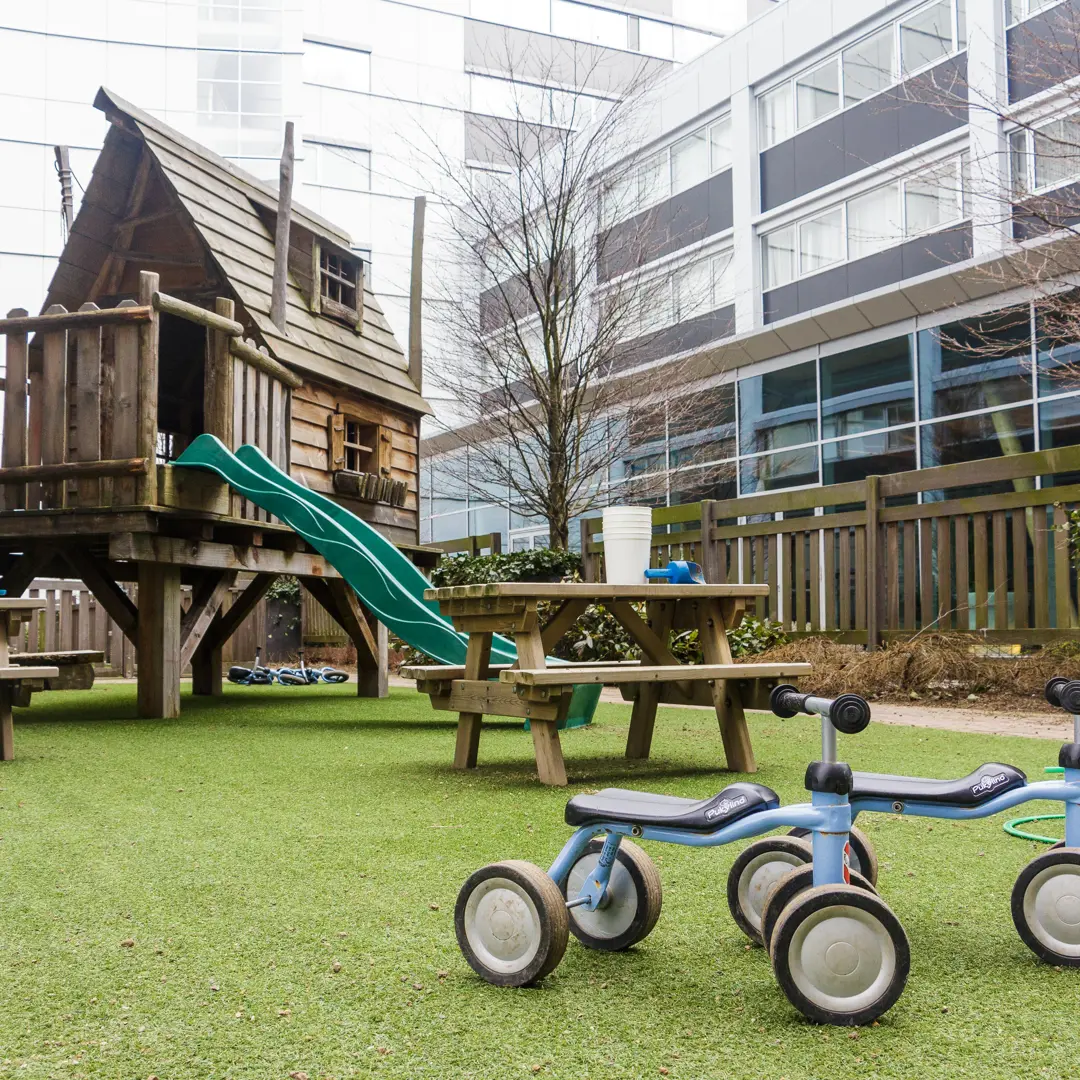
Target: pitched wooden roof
(223, 203)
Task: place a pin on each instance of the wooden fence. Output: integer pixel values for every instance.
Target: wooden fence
(484, 544)
(978, 546)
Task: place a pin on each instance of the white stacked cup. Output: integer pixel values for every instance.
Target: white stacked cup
(627, 540)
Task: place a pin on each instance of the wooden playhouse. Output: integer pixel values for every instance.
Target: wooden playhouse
(157, 327)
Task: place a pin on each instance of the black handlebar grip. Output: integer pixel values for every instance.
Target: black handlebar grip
(1053, 688)
(786, 701)
(850, 714)
(1069, 697)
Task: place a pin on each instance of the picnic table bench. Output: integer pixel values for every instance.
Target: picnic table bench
(13, 675)
(533, 690)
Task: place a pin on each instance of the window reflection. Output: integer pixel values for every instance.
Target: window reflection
(975, 364)
(778, 409)
(790, 468)
(867, 388)
(868, 455)
(972, 438)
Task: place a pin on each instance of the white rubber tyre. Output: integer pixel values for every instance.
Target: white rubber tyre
(1046, 906)
(755, 871)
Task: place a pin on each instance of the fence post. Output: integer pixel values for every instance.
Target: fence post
(710, 561)
(873, 503)
(588, 571)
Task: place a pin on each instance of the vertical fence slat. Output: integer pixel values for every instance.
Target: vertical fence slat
(981, 558)
(799, 540)
(761, 605)
(844, 599)
(1041, 583)
(85, 625)
(15, 400)
(892, 576)
(88, 406)
(239, 386)
(1021, 601)
(926, 572)
(786, 592)
(860, 577)
(125, 410)
(815, 579)
(910, 575)
(829, 580)
(1064, 611)
(50, 620)
(944, 613)
(250, 433)
(773, 548)
(1001, 571)
(67, 598)
(54, 375)
(147, 423)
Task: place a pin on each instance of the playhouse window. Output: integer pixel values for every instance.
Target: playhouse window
(361, 442)
(339, 286)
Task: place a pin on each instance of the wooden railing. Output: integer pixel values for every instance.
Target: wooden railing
(483, 544)
(99, 369)
(866, 561)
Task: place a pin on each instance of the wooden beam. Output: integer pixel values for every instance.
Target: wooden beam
(150, 258)
(416, 296)
(88, 406)
(74, 470)
(171, 305)
(218, 390)
(250, 355)
(226, 623)
(37, 524)
(106, 591)
(168, 549)
(205, 604)
(278, 307)
(74, 320)
(158, 644)
(341, 601)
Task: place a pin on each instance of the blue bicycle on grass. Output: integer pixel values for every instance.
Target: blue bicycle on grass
(837, 949)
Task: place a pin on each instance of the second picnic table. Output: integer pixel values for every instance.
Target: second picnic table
(541, 694)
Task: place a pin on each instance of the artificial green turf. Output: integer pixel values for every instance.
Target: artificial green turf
(251, 844)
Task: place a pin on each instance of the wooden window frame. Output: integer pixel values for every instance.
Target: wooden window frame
(335, 278)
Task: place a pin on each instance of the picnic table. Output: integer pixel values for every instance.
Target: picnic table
(12, 612)
(539, 692)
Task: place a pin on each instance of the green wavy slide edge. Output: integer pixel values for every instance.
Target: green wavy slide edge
(384, 579)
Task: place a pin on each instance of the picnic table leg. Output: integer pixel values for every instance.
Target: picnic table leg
(7, 726)
(712, 633)
(550, 766)
(477, 657)
(660, 618)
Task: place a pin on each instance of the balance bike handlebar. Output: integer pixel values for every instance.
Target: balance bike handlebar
(848, 713)
(1064, 693)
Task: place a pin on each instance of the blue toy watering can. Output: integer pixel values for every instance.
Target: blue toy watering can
(679, 572)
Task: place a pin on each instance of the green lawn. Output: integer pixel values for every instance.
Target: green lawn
(256, 843)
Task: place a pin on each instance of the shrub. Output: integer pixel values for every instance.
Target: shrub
(541, 564)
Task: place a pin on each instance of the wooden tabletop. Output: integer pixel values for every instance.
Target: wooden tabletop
(16, 603)
(593, 591)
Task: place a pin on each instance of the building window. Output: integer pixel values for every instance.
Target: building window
(361, 445)
(689, 161)
(339, 67)
(239, 98)
(1015, 10)
(926, 202)
(1047, 156)
(340, 282)
(861, 70)
(337, 166)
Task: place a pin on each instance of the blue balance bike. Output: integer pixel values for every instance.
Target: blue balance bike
(838, 951)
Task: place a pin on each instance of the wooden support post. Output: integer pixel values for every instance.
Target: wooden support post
(373, 681)
(34, 410)
(218, 392)
(873, 581)
(54, 376)
(88, 406)
(147, 428)
(15, 399)
(206, 674)
(710, 554)
(372, 643)
(159, 641)
(281, 232)
(712, 634)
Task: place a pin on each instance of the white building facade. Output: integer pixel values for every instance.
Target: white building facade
(834, 180)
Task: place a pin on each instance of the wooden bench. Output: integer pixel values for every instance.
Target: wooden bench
(608, 675)
(75, 671)
(13, 675)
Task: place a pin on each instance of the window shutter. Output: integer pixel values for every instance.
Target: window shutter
(336, 441)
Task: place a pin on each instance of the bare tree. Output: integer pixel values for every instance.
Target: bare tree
(554, 316)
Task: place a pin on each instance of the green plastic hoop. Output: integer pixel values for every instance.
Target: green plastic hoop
(1013, 827)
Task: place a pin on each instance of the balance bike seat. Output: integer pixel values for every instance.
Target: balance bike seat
(669, 811)
(984, 783)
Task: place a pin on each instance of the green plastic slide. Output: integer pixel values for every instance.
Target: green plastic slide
(386, 581)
